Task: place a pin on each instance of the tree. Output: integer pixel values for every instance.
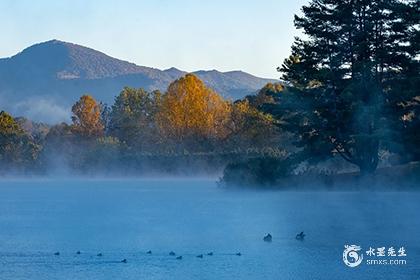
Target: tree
(249, 127)
(105, 116)
(409, 130)
(341, 76)
(192, 111)
(63, 147)
(16, 147)
(133, 116)
(405, 95)
(266, 95)
(87, 117)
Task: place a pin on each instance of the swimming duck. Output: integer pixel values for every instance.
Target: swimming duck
(268, 238)
(172, 253)
(149, 252)
(124, 261)
(99, 255)
(210, 254)
(78, 252)
(239, 254)
(57, 253)
(300, 236)
(179, 258)
(200, 256)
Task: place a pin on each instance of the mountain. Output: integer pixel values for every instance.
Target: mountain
(43, 80)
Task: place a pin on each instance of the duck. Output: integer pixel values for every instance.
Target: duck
(57, 253)
(268, 238)
(149, 252)
(172, 253)
(124, 261)
(78, 252)
(210, 254)
(300, 236)
(179, 258)
(99, 255)
(200, 256)
(238, 254)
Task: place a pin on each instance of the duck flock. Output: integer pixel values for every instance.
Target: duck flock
(267, 238)
(171, 253)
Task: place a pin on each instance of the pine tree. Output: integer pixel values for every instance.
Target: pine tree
(341, 76)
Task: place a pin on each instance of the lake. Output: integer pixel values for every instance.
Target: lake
(124, 218)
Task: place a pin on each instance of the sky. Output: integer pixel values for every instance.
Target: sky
(252, 36)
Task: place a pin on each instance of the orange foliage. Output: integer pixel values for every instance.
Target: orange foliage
(87, 117)
(189, 108)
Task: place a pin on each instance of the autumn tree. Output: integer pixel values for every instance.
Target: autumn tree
(87, 117)
(190, 110)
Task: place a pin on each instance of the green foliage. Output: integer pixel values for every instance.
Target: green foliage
(17, 149)
(103, 155)
(266, 95)
(132, 119)
(249, 127)
(342, 77)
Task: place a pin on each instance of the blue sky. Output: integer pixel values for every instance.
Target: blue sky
(253, 36)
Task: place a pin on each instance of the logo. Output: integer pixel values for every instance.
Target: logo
(383, 255)
(351, 256)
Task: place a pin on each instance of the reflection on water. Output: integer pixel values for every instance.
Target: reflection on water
(123, 219)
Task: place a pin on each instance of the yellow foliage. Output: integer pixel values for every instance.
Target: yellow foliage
(189, 108)
(87, 117)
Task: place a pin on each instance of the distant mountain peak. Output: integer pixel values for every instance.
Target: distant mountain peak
(172, 69)
(71, 61)
(55, 41)
(173, 73)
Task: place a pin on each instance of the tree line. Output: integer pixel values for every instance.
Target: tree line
(141, 127)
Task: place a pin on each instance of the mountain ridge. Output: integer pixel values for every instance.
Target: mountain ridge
(54, 74)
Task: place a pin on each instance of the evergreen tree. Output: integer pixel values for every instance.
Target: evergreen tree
(342, 76)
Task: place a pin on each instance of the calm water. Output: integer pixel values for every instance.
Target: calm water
(125, 218)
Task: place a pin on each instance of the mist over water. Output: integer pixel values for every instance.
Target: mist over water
(124, 218)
